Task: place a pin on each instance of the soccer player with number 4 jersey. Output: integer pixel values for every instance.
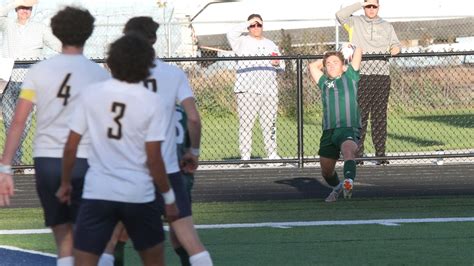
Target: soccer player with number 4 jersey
(53, 86)
(341, 118)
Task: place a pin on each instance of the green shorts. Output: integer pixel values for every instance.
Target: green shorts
(332, 139)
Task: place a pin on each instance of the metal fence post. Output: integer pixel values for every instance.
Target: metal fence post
(299, 104)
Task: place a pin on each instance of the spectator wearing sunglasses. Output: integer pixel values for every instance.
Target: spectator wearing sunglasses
(375, 36)
(256, 86)
(23, 39)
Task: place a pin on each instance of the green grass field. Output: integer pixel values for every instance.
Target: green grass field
(428, 243)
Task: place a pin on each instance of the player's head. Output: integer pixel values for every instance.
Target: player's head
(334, 63)
(371, 8)
(130, 58)
(145, 26)
(73, 26)
(255, 27)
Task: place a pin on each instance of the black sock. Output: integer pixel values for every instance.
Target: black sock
(183, 256)
(332, 180)
(119, 253)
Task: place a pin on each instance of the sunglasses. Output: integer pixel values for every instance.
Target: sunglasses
(24, 8)
(371, 6)
(256, 25)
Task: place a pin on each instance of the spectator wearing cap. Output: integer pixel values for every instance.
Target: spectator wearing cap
(375, 36)
(256, 86)
(23, 39)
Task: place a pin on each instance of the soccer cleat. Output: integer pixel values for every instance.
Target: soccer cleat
(347, 188)
(333, 196)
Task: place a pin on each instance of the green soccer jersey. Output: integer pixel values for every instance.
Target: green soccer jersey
(183, 144)
(339, 97)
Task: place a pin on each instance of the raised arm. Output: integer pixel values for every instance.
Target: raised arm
(4, 9)
(356, 58)
(345, 13)
(316, 70)
(234, 34)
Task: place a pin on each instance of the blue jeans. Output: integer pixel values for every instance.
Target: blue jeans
(9, 100)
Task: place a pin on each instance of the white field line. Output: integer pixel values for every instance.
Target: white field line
(386, 222)
(28, 251)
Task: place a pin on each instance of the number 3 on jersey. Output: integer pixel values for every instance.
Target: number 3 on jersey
(116, 132)
(64, 90)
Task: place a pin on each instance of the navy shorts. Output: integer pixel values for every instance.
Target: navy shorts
(48, 180)
(97, 220)
(183, 202)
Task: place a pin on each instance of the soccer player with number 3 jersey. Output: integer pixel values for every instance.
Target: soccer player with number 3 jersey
(126, 124)
(53, 86)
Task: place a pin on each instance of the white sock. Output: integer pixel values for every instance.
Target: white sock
(106, 260)
(65, 261)
(201, 259)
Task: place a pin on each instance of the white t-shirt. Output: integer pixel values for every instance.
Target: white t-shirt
(53, 85)
(172, 87)
(120, 118)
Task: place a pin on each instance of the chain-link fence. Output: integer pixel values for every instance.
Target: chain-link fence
(430, 113)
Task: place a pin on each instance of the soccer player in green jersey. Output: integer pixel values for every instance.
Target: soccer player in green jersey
(341, 118)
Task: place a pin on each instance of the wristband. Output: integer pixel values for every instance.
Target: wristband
(5, 169)
(169, 196)
(195, 151)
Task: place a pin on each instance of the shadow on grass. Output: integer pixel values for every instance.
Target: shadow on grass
(307, 186)
(460, 120)
(421, 142)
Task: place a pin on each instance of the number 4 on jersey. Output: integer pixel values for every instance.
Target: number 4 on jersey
(64, 90)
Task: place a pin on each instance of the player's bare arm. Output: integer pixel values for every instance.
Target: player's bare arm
(356, 58)
(157, 171)
(190, 160)
(12, 142)
(316, 70)
(69, 157)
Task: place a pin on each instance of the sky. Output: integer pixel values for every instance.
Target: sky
(217, 17)
(317, 10)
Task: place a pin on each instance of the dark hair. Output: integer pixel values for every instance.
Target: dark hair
(255, 16)
(331, 53)
(73, 26)
(145, 26)
(130, 58)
